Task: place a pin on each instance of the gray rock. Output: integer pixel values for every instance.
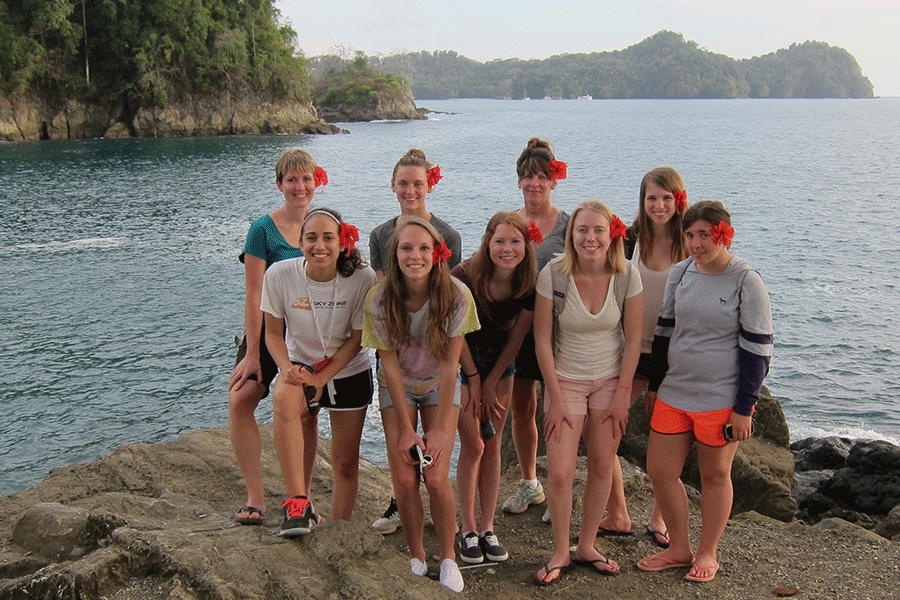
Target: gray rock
(61, 532)
(816, 454)
(890, 526)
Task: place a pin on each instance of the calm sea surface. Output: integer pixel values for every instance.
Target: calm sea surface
(122, 291)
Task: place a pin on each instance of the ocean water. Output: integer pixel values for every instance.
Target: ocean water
(122, 291)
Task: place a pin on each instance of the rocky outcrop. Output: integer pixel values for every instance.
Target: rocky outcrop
(32, 118)
(154, 522)
(859, 482)
(382, 108)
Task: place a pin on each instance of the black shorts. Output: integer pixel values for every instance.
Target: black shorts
(644, 366)
(350, 393)
(485, 358)
(526, 361)
(266, 362)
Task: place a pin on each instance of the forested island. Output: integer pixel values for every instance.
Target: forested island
(160, 68)
(664, 65)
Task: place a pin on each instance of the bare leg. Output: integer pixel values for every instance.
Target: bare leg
(489, 473)
(561, 461)
(524, 426)
(602, 446)
(617, 517)
(468, 466)
(346, 433)
(440, 492)
(289, 405)
(246, 440)
(716, 498)
(310, 424)
(406, 487)
(665, 460)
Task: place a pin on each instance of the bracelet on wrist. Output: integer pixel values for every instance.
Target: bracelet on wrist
(467, 376)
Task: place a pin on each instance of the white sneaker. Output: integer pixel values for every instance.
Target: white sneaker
(389, 521)
(450, 575)
(546, 517)
(418, 567)
(523, 497)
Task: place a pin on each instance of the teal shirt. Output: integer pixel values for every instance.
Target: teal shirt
(264, 241)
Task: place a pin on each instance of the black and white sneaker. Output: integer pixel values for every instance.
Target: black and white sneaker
(299, 517)
(389, 521)
(492, 548)
(470, 549)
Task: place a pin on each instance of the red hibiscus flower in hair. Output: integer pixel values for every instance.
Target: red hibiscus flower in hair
(680, 199)
(434, 175)
(534, 233)
(722, 233)
(558, 170)
(617, 228)
(440, 254)
(348, 235)
(320, 177)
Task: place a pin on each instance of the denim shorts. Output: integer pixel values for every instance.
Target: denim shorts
(432, 398)
(485, 358)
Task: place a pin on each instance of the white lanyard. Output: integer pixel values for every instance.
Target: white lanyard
(312, 306)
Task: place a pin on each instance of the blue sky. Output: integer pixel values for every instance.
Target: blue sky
(488, 29)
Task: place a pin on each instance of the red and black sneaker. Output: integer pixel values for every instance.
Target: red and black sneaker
(299, 517)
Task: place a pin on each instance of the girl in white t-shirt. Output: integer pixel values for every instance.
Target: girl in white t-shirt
(319, 299)
(587, 352)
(416, 318)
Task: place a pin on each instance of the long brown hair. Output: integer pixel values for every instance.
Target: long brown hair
(442, 295)
(668, 179)
(480, 268)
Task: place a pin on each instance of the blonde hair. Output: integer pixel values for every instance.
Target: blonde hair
(294, 158)
(615, 254)
(442, 295)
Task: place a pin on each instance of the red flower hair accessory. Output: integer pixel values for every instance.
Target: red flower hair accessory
(348, 235)
(617, 229)
(558, 170)
(534, 233)
(434, 175)
(680, 199)
(441, 253)
(722, 233)
(320, 177)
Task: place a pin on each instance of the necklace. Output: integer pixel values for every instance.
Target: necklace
(326, 360)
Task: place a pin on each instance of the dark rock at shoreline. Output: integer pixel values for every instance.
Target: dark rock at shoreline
(859, 483)
(815, 454)
(379, 108)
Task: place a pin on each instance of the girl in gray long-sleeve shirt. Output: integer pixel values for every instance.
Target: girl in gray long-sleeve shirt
(711, 353)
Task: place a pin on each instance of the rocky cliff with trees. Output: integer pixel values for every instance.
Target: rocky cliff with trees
(664, 65)
(95, 68)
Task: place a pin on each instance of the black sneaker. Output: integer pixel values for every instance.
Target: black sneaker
(299, 517)
(470, 549)
(493, 549)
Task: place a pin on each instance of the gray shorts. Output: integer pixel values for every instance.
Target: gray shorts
(417, 402)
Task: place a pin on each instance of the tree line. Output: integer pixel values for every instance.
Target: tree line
(664, 65)
(148, 52)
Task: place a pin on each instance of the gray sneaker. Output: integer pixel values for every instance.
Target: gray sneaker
(470, 549)
(492, 548)
(523, 497)
(389, 521)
